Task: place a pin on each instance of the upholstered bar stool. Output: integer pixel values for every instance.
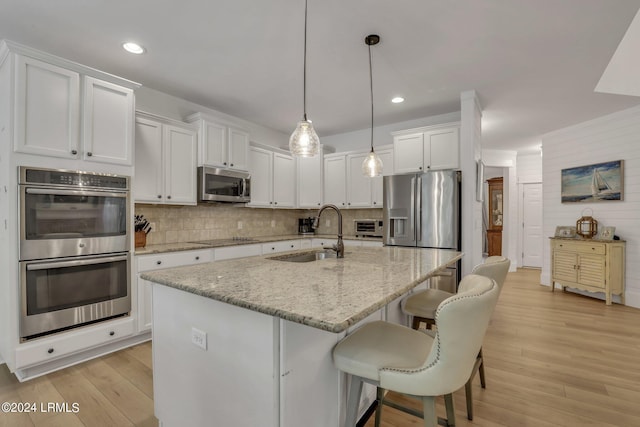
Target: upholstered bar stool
(423, 305)
(398, 358)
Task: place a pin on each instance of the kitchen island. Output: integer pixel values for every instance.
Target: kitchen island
(248, 342)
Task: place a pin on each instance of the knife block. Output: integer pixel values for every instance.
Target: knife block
(140, 239)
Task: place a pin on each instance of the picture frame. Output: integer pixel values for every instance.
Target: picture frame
(599, 182)
(606, 233)
(567, 231)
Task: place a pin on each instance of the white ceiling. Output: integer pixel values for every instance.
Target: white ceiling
(533, 63)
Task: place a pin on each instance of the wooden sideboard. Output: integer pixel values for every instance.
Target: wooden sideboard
(589, 265)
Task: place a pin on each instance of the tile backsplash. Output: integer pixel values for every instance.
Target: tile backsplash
(178, 224)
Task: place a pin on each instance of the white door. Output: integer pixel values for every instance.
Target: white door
(310, 181)
(238, 149)
(147, 184)
(284, 189)
(335, 180)
(532, 225)
(261, 177)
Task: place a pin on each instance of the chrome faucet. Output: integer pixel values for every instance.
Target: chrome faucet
(339, 248)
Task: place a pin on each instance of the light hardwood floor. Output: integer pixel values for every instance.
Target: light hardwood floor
(552, 359)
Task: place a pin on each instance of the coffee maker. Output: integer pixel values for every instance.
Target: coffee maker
(305, 225)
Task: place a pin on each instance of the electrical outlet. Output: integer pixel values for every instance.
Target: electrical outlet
(199, 338)
(153, 227)
(273, 223)
(239, 225)
(327, 223)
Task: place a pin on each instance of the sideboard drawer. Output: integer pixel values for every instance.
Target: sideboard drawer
(581, 247)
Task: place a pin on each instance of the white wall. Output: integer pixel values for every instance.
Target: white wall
(612, 137)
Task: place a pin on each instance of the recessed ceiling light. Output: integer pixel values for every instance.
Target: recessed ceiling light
(397, 100)
(133, 48)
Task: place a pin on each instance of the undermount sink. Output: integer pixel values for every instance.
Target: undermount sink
(305, 256)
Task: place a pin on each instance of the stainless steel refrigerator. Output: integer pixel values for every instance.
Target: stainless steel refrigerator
(423, 210)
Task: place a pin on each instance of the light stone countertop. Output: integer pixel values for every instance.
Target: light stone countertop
(330, 294)
(187, 246)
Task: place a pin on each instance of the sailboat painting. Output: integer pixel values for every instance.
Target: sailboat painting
(593, 183)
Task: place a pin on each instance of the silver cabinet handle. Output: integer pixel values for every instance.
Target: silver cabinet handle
(58, 192)
(74, 263)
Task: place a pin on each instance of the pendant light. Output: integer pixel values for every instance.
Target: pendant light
(372, 165)
(304, 141)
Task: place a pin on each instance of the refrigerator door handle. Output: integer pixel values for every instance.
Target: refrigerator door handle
(418, 192)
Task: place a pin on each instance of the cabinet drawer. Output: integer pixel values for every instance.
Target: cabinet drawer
(240, 251)
(174, 259)
(581, 247)
(274, 247)
(46, 349)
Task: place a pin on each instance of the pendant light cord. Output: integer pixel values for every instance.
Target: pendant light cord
(304, 72)
(371, 87)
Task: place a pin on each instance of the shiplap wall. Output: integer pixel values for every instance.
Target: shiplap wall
(612, 137)
(529, 168)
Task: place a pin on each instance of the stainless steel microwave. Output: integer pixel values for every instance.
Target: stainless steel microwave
(223, 185)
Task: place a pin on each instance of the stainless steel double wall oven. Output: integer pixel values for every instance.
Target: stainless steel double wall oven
(74, 249)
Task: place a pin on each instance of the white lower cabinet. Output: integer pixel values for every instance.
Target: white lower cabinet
(239, 251)
(59, 345)
(283, 246)
(157, 262)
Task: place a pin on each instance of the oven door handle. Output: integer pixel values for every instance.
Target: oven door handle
(75, 263)
(58, 192)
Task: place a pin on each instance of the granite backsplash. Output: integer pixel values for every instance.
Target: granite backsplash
(179, 224)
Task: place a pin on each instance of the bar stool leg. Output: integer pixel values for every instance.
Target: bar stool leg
(429, 411)
(353, 401)
(451, 410)
(379, 397)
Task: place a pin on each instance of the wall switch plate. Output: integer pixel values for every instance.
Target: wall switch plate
(327, 223)
(273, 223)
(239, 225)
(199, 338)
(153, 227)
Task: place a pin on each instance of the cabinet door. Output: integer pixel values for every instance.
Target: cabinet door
(408, 153)
(261, 176)
(310, 181)
(591, 270)
(564, 266)
(284, 188)
(148, 179)
(107, 122)
(358, 185)
(386, 155)
(46, 109)
(214, 144)
(335, 175)
(180, 165)
(238, 154)
(441, 149)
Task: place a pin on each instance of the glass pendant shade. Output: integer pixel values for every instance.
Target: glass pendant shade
(304, 141)
(372, 165)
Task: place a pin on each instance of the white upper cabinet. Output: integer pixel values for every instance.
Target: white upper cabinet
(107, 122)
(386, 155)
(50, 113)
(347, 187)
(165, 169)
(310, 181)
(441, 149)
(47, 109)
(358, 185)
(335, 180)
(221, 145)
(272, 178)
(428, 148)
